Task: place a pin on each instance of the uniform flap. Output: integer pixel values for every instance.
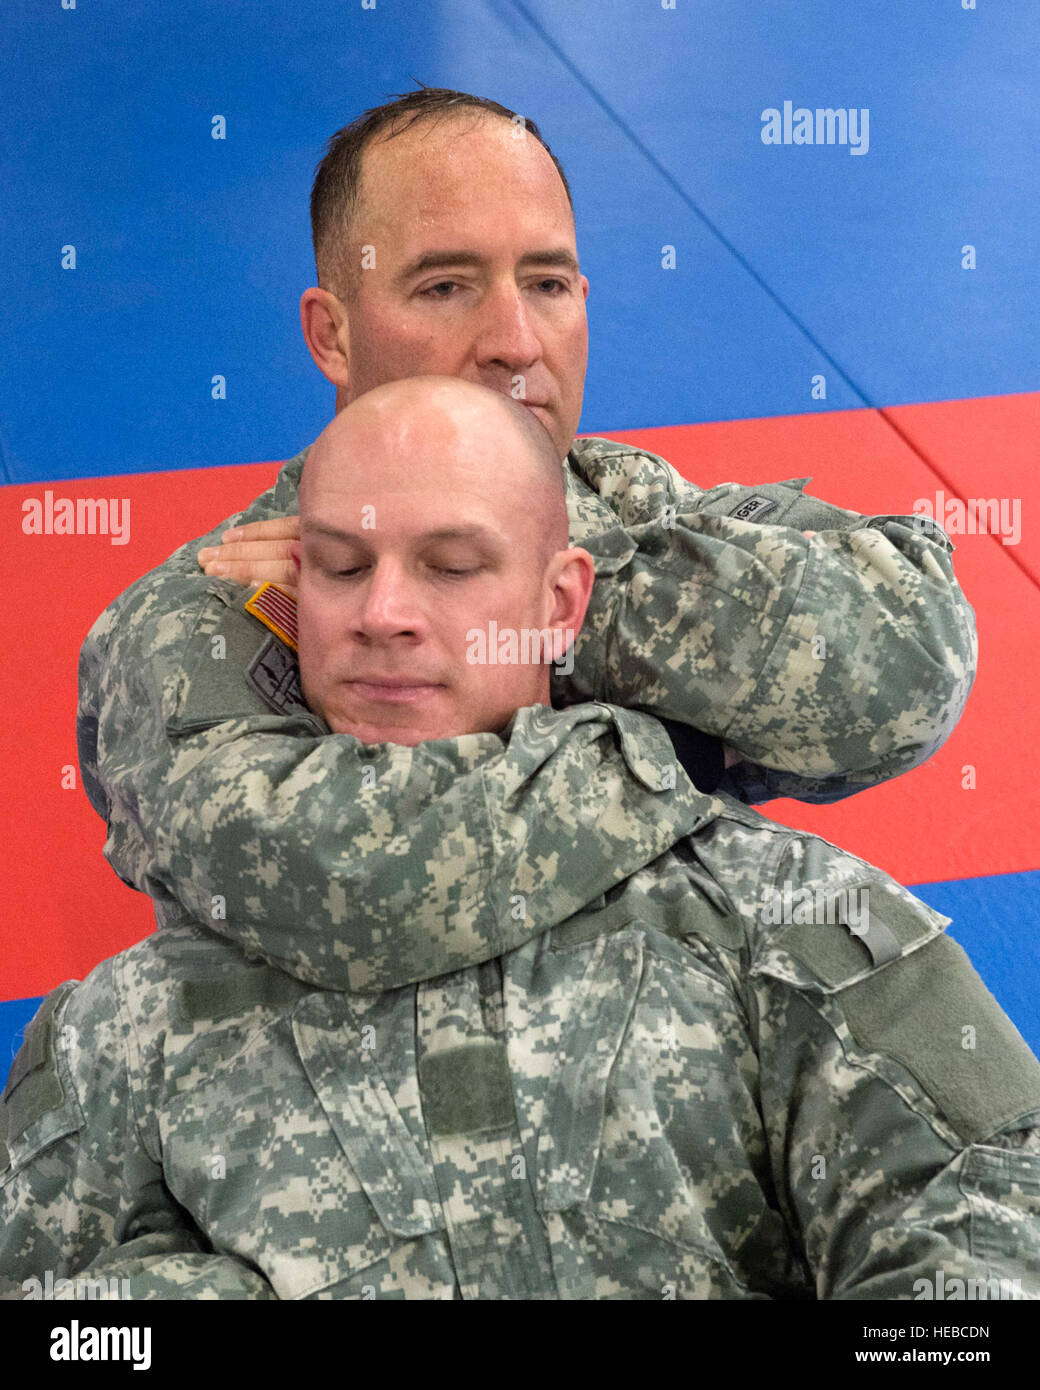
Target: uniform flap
(238, 663)
(396, 1174)
(37, 1049)
(572, 1133)
(826, 938)
(649, 751)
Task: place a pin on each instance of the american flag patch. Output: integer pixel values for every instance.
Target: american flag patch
(276, 610)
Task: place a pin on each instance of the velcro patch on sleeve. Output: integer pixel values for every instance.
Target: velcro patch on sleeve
(247, 988)
(839, 936)
(34, 1085)
(933, 1014)
(232, 670)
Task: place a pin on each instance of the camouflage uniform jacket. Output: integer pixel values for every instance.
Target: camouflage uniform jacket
(700, 1084)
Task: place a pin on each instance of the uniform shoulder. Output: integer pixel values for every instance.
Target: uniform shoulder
(742, 850)
(814, 915)
(178, 582)
(135, 1018)
(592, 447)
(146, 973)
(162, 992)
(634, 485)
(194, 651)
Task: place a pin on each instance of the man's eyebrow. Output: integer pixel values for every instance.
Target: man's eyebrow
(442, 533)
(558, 257)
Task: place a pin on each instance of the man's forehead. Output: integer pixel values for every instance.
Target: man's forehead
(438, 163)
(438, 483)
(439, 475)
(421, 528)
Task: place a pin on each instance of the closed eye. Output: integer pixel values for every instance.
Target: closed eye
(437, 569)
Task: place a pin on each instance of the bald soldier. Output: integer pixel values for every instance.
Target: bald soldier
(676, 1087)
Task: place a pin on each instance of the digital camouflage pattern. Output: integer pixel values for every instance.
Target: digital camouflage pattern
(231, 801)
(665, 1095)
(511, 1022)
(831, 662)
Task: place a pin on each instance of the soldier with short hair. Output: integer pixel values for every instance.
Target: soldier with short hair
(576, 1029)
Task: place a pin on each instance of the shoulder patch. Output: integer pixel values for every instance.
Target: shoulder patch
(753, 508)
(233, 670)
(275, 673)
(240, 991)
(276, 609)
(833, 937)
(879, 927)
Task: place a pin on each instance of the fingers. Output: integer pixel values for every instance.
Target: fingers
(252, 561)
(259, 552)
(253, 572)
(255, 553)
(279, 528)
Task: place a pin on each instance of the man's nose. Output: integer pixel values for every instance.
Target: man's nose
(506, 336)
(390, 604)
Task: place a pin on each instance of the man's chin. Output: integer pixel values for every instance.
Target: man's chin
(407, 737)
(371, 733)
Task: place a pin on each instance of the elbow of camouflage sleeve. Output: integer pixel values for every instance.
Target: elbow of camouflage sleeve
(870, 678)
(753, 782)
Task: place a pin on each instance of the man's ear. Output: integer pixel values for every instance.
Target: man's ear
(570, 577)
(326, 332)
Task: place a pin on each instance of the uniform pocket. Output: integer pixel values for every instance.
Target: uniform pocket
(293, 1157)
(1003, 1190)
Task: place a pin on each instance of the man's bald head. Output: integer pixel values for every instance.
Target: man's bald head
(433, 529)
(407, 424)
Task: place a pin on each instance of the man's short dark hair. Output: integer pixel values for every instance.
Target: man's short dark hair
(337, 179)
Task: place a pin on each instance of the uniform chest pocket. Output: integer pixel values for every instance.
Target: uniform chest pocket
(645, 1168)
(294, 1157)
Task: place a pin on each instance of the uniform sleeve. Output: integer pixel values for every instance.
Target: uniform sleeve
(832, 662)
(84, 1211)
(901, 1105)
